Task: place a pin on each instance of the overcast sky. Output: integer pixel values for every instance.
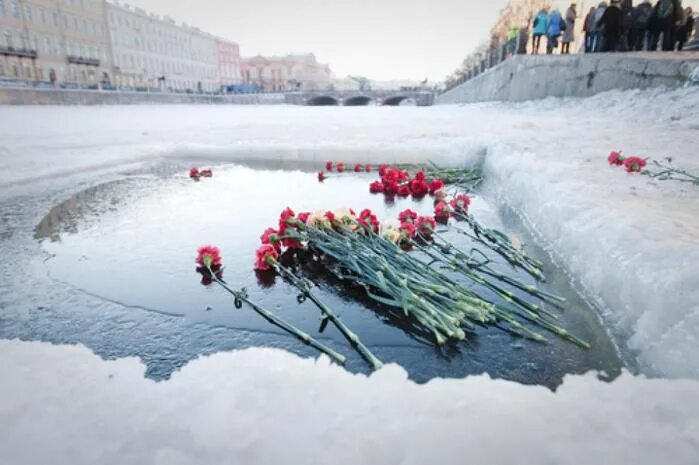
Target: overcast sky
(380, 39)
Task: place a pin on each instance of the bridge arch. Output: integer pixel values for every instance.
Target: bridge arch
(357, 101)
(322, 101)
(395, 100)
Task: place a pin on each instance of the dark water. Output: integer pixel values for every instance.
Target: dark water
(116, 273)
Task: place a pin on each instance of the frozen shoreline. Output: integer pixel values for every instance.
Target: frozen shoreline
(64, 405)
(629, 242)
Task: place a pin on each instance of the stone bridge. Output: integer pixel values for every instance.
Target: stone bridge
(353, 98)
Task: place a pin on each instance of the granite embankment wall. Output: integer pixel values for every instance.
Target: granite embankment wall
(539, 76)
(24, 96)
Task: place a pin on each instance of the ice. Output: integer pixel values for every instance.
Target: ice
(64, 405)
(630, 245)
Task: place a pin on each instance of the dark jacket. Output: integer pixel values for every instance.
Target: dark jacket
(612, 21)
(641, 16)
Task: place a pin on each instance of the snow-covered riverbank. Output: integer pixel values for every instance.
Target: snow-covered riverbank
(64, 405)
(632, 245)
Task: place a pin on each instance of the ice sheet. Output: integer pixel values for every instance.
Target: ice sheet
(632, 245)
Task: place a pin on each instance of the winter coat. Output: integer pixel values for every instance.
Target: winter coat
(595, 26)
(555, 21)
(587, 25)
(541, 24)
(612, 21)
(641, 16)
(569, 33)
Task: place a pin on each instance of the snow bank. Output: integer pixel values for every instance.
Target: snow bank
(631, 244)
(64, 405)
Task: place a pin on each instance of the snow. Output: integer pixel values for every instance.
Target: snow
(267, 406)
(629, 244)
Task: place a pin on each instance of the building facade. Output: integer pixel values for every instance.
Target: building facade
(228, 63)
(155, 53)
(286, 73)
(55, 42)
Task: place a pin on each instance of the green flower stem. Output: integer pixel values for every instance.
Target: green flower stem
(302, 285)
(275, 320)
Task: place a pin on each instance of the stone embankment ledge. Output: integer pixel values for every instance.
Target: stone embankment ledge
(535, 77)
(26, 96)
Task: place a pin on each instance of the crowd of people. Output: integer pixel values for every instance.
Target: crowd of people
(617, 27)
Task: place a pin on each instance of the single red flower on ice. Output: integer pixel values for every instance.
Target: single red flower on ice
(460, 203)
(419, 188)
(420, 176)
(328, 166)
(194, 173)
(265, 257)
(369, 220)
(634, 164)
(206, 173)
(321, 176)
(407, 216)
(271, 236)
(208, 257)
(404, 191)
(382, 170)
(442, 212)
(367, 168)
(340, 167)
(376, 187)
(615, 159)
(357, 168)
(435, 185)
(425, 225)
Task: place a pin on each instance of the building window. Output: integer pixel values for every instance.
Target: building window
(27, 12)
(15, 8)
(2, 7)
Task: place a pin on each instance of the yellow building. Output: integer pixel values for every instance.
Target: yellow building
(55, 42)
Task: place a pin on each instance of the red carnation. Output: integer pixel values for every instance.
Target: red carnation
(376, 187)
(460, 203)
(419, 188)
(286, 220)
(426, 225)
(442, 211)
(194, 173)
(404, 191)
(303, 217)
(357, 168)
(391, 188)
(634, 164)
(340, 167)
(367, 168)
(420, 176)
(271, 236)
(207, 173)
(382, 170)
(615, 159)
(265, 257)
(369, 220)
(436, 185)
(407, 216)
(208, 257)
(408, 229)
(330, 216)
(321, 176)
(328, 166)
